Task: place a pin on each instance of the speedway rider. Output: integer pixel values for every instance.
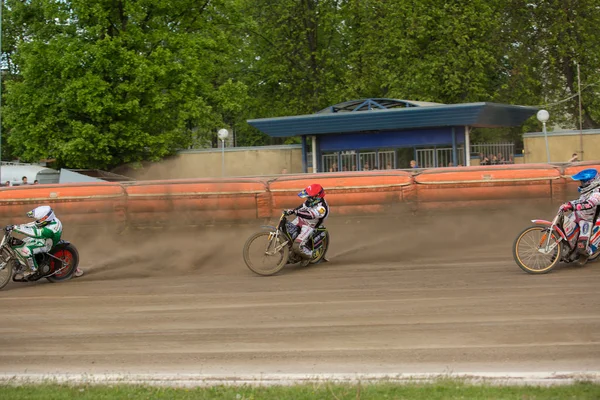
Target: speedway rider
(584, 210)
(309, 216)
(42, 235)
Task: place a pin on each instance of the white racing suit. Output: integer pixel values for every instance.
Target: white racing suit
(307, 219)
(584, 211)
(39, 240)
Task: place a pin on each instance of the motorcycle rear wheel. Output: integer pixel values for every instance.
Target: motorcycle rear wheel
(6, 273)
(321, 251)
(263, 243)
(68, 254)
(527, 246)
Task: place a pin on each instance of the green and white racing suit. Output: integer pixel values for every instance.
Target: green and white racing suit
(39, 240)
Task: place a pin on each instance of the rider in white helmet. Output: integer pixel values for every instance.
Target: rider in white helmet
(42, 234)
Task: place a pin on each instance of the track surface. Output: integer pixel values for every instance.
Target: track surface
(400, 295)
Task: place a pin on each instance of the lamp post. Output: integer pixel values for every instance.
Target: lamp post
(1, 9)
(543, 116)
(223, 134)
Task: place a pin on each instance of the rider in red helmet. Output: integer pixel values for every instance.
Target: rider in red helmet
(309, 215)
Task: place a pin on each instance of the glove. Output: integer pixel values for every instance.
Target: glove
(9, 228)
(566, 207)
(289, 212)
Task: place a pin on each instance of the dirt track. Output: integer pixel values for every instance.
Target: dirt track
(429, 294)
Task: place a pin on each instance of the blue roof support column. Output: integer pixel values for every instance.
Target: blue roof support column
(319, 158)
(454, 149)
(315, 155)
(304, 155)
(467, 147)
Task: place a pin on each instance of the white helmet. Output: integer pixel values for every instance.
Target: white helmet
(43, 215)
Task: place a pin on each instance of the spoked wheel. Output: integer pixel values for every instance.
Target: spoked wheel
(69, 255)
(265, 255)
(530, 251)
(5, 272)
(319, 254)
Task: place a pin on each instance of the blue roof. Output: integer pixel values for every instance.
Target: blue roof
(394, 115)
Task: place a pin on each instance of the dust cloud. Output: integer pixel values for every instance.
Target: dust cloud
(217, 250)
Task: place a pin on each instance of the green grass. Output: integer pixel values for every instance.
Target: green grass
(439, 390)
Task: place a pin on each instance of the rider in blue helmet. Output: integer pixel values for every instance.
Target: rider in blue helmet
(584, 212)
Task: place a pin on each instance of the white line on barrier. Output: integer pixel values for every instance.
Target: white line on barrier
(348, 187)
(192, 193)
(489, 180)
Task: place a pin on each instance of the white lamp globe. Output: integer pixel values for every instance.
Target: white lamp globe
(543, 116)
(223, 133)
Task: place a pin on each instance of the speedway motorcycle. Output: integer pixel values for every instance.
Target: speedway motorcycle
(268, 251)
(539, 248)
(57, 265)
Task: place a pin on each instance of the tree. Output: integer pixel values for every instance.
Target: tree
(549, 39)
(119, 81)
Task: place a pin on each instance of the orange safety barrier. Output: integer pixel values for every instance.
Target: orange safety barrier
(346, 192)
(452, 186)
(193, 201)
(77, 203)
(201, 201)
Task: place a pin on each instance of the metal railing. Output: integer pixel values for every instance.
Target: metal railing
(494, 153)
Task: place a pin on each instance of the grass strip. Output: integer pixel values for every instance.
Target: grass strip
(446, 389)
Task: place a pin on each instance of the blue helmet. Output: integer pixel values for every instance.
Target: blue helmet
(585, 177)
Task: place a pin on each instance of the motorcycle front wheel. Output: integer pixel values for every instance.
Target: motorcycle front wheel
(529, 250)
(264, 255)
(6, 272)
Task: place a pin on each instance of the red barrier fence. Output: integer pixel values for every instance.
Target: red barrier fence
(78, 203)
(201, 201)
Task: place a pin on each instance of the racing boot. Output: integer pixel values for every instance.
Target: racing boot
(302, 250)
(583, 251)
(32, 268)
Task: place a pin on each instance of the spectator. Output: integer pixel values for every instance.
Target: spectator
(485, 161)
(7, 184)
(413, 164)
(24, 181)
(334, 167)
(366, 166)
(37, 183)
(389, 166)
(574, 158)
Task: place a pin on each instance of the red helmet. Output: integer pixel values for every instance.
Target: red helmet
(313, 192)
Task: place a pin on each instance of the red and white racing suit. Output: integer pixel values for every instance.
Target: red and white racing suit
(307, 219)
(584, 211)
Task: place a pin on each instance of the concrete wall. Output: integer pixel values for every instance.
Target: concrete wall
(562, 145)
(239, 161)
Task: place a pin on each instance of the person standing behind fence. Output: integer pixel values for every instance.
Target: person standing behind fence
(574, 158)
